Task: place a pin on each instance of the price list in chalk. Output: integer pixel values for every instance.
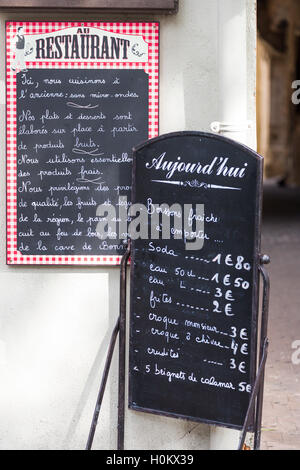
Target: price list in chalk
(75, 132)
(192, 349)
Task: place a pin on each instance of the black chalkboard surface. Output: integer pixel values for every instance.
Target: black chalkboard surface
(193, 312)
(75, 132)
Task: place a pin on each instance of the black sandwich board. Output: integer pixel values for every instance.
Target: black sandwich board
(194, 307)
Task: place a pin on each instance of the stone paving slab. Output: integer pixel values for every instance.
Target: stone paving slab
(281, 240)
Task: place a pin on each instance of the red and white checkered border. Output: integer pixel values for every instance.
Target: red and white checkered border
(150, 33)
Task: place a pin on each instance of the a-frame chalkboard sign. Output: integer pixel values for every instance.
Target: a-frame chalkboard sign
(195, 313)
(194, 305)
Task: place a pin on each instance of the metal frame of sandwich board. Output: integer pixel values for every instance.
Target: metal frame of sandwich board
(256, 397)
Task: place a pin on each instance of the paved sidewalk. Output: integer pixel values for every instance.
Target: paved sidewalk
(281, 240)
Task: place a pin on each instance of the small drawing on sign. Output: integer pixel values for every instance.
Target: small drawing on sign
(135, 50)
(76, 105)
(20, 51)
(196, 184)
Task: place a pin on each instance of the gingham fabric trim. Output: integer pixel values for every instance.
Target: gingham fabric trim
(150, 34)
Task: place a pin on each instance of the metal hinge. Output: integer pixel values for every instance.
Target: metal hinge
(220, 127)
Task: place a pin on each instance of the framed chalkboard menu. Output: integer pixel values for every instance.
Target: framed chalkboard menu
(194, 278)
(79, 97)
